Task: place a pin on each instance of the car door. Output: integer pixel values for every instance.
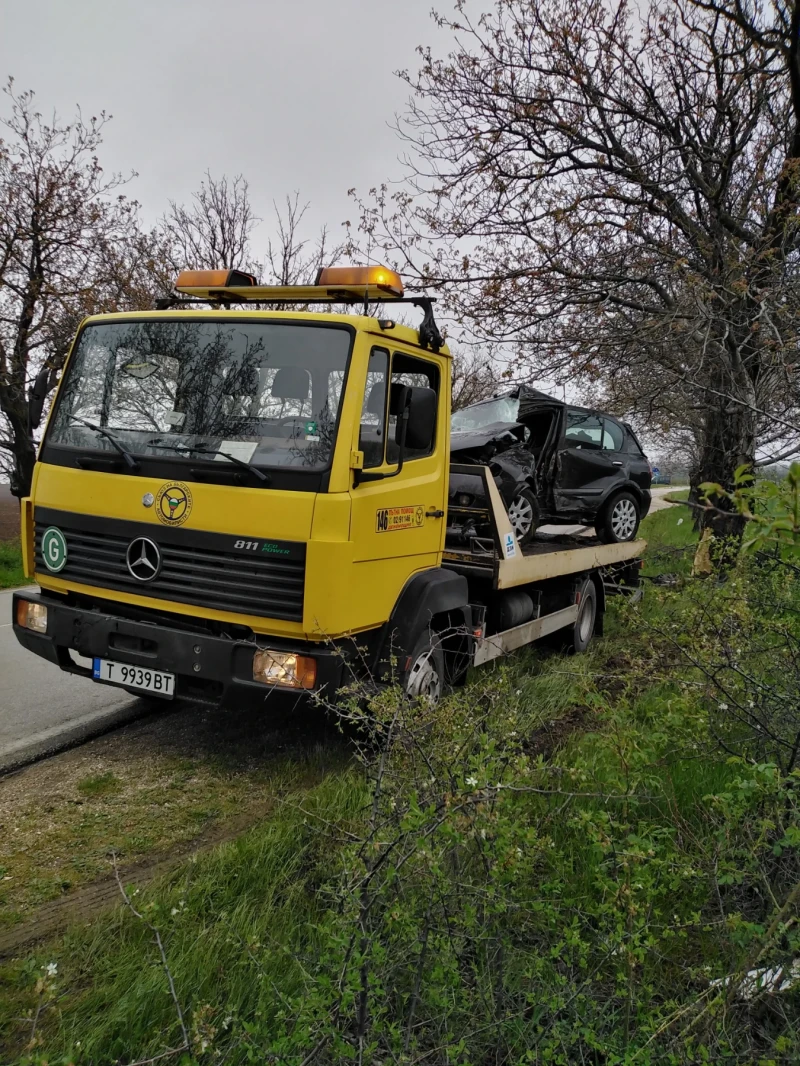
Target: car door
(587, 465)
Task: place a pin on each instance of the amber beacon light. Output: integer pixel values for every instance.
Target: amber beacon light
(214, 279)
(356, 277)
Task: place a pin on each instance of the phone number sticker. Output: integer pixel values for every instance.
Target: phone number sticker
(390, 519)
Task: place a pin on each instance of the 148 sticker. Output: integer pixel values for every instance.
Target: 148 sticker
(391, 519)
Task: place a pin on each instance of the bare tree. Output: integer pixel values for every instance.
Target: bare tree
(63, 223)
(293, 259)
(214, 230)
(614, 189)
(474, 377)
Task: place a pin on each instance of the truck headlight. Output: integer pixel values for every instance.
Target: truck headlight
(284, 668)
(32, 616)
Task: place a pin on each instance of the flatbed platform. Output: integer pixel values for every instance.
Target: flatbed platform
(501, 560)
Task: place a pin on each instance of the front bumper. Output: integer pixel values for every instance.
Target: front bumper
(209, 669)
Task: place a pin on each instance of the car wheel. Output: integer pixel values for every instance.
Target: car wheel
(424, 677)
(523, 513)
(619, 519)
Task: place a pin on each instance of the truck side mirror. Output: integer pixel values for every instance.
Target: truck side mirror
(415, 409)
(36, 398)
(417, 413)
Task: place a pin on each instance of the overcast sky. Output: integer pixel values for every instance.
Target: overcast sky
(291, 95)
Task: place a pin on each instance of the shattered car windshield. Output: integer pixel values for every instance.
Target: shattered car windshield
(503, 409)
(267, 393)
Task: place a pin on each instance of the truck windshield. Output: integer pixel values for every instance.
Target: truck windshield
(267, 393)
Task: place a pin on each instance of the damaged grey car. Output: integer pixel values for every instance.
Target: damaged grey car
(553, 463)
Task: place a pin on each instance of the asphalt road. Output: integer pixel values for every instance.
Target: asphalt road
(42, 708)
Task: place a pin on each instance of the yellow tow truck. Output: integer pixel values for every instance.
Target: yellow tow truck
(235, 496)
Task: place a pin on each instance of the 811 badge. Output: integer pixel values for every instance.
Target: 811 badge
(392, 519)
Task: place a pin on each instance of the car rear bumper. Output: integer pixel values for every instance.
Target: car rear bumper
(647, 499)
(208, 669)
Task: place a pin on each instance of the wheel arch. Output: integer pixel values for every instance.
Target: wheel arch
(621, 486)
(430, 599)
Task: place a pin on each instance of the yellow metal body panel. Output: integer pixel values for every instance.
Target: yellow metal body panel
(525, 569)
(26, 535)
(354, 571)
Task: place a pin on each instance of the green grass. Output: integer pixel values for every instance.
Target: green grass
(254, 896)
(11, 573)
(251, 928)
(671, 539)
(99, 784)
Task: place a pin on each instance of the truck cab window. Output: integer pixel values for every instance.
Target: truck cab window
(372, 432)
(378, 425)
(408, 370)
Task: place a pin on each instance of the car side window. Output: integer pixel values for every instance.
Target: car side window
(584, 430)
(613, 436)
(372, 433)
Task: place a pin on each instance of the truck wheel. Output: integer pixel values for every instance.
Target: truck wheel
(583, 629)
(523, 513)
(424, 677)
(619, 520)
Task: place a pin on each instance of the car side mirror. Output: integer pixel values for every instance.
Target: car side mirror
(36, 398)
(417, 415)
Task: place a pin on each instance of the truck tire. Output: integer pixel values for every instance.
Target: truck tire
(583, 630)
(619, 519)
(424, 677)
(523, 513)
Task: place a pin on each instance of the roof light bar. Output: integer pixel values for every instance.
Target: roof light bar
(361, 277)
(333, 285)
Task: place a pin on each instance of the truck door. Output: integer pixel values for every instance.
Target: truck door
(585, 467)
(397, 523)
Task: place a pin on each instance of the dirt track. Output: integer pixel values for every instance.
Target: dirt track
(260, 761)
(85, 902)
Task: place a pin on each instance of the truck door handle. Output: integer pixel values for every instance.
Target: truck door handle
(617, 462)
(434, 514)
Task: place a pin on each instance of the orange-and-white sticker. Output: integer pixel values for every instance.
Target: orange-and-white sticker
(391, 519)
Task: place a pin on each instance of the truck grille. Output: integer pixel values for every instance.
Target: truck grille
(195, 567)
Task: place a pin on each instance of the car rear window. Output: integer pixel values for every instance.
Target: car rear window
(632, 442)
(613, 437)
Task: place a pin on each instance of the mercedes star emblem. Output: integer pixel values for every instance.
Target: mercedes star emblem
(144, 559)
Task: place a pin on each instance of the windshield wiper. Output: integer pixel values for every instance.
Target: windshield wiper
(130, 462)
(187, 449)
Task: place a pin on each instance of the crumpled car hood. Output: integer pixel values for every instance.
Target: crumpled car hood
(488, 440)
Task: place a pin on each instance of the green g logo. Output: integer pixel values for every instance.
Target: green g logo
(54, 549)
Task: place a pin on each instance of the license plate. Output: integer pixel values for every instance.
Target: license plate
(140, 677)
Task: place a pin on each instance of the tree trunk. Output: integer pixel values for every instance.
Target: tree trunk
(24, 456)
(728, 442)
